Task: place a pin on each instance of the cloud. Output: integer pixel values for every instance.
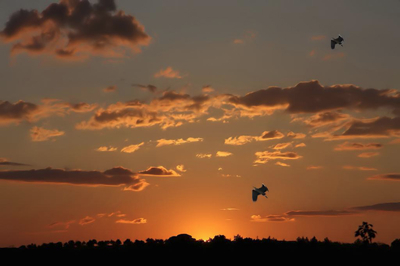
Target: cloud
(165, 142)
(230, 209)
(312, 97)
(296, 135)
(265, 156)
(323, 119)
(266, 135)
(168, 73)
(386, 177)
(282, 164)
(380, 127)
(300, 145)
(368, 154)
(207, 89)
(314, 167)
(271, 218)
(132, 148)
(134, 221)
(158, 171)
(42, 134)
(149, 87)
(171, 109)
(204, 155)
(75, 30)
(223, 154)
(5, 162)
(105, 148)
(181, 168)
(66, 225)
(87, 220)
(15, 113)
(352, 146)
(117, 176)
(361, 168)
(319, 213)
(391, 207)
(281, 146)
(110, 88)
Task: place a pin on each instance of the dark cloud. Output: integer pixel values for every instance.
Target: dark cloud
(149, 87)
(381, 127)
(75, 28)
(388, 177)
(323, 119)
(26, 111)
(352, 146)
(312, 97)
(5, 162)
(320, 213)
(392, 207)
(117, 176)
(158, 171)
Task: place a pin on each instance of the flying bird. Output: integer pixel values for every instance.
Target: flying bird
(259, 191)
(337, 40)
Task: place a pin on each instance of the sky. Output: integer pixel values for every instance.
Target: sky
(146, 119)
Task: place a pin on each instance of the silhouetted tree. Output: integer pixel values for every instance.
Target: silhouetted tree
(366, 232)
(396, 244)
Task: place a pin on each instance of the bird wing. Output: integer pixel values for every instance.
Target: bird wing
(333, 43)
(255, 195)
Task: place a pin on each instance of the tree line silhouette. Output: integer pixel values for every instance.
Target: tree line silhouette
(219, 245)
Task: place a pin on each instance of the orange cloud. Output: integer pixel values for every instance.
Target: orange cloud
(42, 134)
(368, 154)
(265, 156)
(168, 73)
(165, 142)
(87, 220)
(296, 135)
(204, 155)
(105, 148)
(349, 167)
(351, 146)
(132, 148)
(281, 146)
(313, 167)
(134, 221)
(158, 171)
(223, 154)
(181, 168)
(282, 164)
(75, 30)
(266, 135)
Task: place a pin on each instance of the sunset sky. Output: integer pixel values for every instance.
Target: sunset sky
(147, 119)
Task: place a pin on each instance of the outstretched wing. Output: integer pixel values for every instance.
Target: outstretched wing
(333, 44)
(255, 195)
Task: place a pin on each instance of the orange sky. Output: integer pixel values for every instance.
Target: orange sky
(149, 119)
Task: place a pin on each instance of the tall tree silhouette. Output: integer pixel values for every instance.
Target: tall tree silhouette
(366, 232)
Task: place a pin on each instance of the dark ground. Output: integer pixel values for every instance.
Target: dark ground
(185, 249)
